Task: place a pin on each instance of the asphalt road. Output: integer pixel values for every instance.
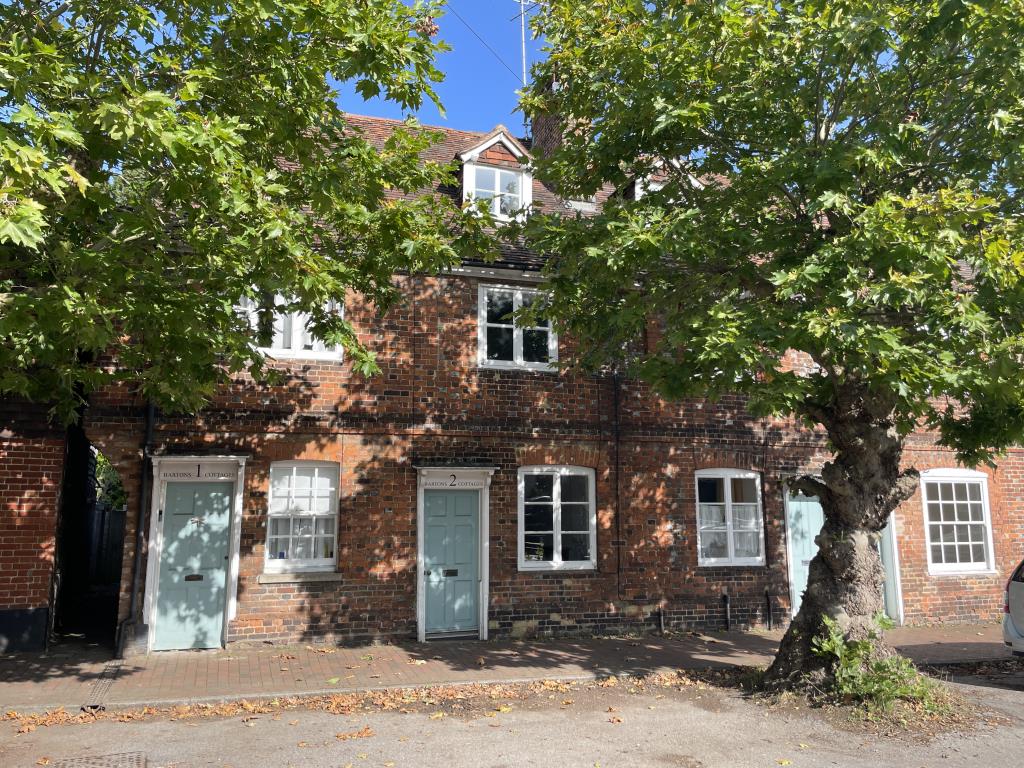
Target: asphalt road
(588, 727)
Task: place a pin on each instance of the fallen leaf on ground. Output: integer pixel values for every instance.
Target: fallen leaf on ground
(363, 733)
(437, 715)
(784, 761)
(333, 680)
(615, 720)
(43, 761)
(417, 662)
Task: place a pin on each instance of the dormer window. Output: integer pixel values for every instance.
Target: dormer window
(493, 171)
(503, 188)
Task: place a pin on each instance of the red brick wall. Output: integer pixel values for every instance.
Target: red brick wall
(431, 404)
(30, 477)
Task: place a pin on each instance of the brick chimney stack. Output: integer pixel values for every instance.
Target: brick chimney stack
(548, 130)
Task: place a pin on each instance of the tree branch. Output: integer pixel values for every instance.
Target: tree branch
(809, 486)
(904, 487)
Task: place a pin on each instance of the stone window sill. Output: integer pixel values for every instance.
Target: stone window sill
(299, 577)
(987, 573)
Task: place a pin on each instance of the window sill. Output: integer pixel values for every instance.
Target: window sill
(730, 564)
(277, 354)
(987, 572)
(585, 568)
(299, 577)
(507, 366)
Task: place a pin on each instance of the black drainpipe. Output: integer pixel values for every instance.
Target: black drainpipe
(140, 517)
(618, 494)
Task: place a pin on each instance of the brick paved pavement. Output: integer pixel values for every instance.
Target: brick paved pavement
(73, 675)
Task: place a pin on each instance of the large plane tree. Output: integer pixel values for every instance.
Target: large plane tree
(837, 181)
(163, 162)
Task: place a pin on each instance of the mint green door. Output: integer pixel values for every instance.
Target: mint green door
(804, 519)
(451, 547)
(193, 566)
(887, 549)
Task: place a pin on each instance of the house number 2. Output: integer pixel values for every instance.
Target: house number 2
(452, 483)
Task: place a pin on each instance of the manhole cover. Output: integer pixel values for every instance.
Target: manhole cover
(123, 760)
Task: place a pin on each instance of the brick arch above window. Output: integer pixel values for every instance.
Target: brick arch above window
(581, 454)
(734, 460)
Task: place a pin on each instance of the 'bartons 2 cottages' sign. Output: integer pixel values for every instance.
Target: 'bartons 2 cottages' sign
(460, 479)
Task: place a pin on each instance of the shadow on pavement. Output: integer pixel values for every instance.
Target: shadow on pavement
(603, 657)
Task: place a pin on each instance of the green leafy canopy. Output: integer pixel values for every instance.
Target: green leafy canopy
(836, 178)
(161, 161)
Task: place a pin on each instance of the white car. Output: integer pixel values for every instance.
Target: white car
(1013, 612)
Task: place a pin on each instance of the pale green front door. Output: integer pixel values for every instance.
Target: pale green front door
(193, 565)
(804, 519)
(451, 555)
(887, 549)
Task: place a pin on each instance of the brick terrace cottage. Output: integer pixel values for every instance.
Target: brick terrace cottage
(469, 489)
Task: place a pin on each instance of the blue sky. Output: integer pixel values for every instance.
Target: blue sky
(478, 91)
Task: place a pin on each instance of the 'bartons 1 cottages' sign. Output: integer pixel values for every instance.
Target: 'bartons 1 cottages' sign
(220, 470)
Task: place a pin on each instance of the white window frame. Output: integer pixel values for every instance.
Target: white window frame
(517, 362)
(958, 475)
(559, 470)
(325, 565)
(727, 475)
(525, 188)
(298, 330)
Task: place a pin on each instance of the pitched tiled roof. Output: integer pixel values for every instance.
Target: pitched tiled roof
(454, 143)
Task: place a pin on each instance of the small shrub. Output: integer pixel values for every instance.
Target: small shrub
(877, 684)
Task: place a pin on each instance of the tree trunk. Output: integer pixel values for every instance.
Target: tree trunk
(858, 490)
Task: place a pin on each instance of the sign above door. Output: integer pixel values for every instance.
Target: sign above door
(198, 470)
(460, 478)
